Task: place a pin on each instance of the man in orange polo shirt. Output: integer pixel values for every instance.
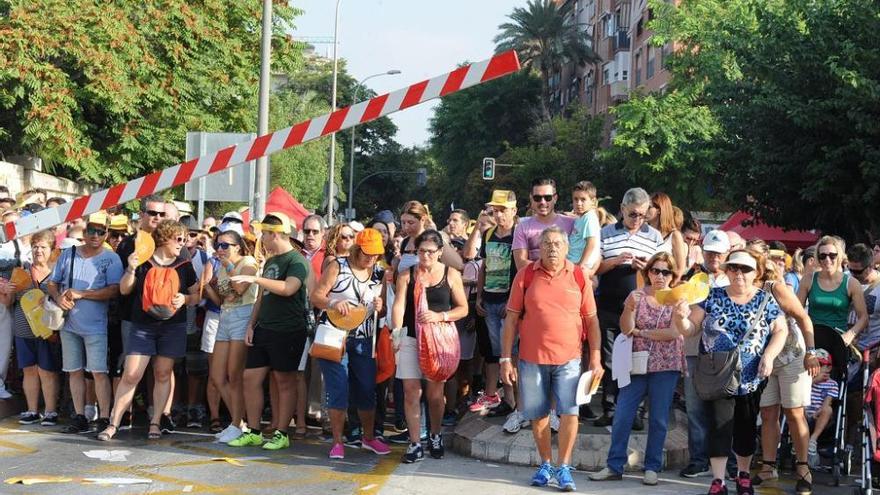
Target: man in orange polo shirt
(549, 324)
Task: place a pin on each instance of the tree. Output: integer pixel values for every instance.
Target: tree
(794, 90)
(546, 38)
(105, 91)
(483, 121)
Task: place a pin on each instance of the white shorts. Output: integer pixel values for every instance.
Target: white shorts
(789, 385)
(209, 331)
(408, 359)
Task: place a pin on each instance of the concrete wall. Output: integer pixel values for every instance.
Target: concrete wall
(18, 178)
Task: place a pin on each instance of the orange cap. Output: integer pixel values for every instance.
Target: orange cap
(370, 242)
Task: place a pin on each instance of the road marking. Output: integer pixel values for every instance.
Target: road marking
(17, 449)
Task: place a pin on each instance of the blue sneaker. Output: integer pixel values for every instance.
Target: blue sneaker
(564, 479)
(543, 475)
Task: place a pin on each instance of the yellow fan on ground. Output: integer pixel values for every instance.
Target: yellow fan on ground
(356, 315)
(32, 307)
(693, 291)
(144, 246)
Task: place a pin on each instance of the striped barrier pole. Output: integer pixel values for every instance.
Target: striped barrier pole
(464, 77)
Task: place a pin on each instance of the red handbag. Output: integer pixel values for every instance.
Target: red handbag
(385, 363)
(439, 347)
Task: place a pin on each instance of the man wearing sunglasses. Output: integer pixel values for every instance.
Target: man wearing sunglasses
(861, 266)
(527, 234)
(83, 286)
(625, 248)
(313, 242)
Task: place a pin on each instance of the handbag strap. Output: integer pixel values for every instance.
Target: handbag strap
(761, 308)
(70, 274)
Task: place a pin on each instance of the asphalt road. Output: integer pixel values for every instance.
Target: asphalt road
(192, 463)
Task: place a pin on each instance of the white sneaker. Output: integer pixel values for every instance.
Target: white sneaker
(229, 434)
(91, 412)
(4, 394)
(514, 422)
(554, 421)
(650, 478)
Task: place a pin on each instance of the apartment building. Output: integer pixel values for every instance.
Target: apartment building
(619, 34)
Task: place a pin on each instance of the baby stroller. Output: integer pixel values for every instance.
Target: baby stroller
(870, 420)
(844, 358)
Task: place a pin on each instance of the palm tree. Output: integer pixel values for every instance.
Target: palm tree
(545, 40)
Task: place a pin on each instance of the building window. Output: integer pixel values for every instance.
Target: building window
(639, 27)
(610, 26)
(624, 75)
(665, 53)
(606, 74)
(638, 67)
(650, 65)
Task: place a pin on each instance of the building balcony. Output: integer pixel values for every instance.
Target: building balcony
(620, 41)
(619, 91)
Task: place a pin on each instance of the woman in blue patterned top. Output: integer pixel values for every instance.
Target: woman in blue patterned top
(724, 319)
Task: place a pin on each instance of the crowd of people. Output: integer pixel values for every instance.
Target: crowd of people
(249, 330)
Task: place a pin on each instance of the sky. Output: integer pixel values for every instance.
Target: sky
(421, 38)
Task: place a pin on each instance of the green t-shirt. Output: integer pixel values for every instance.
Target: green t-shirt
(284, 313)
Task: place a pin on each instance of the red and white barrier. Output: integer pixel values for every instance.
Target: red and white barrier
(344, 118)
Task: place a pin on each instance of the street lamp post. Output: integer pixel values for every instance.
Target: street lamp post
(330, 189)
(354, 101)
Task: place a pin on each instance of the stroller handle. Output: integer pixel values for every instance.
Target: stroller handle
(866, 352)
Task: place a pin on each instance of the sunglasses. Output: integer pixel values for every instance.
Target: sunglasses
(116, 235)
(180, 239)
(154, 213)
(347, 237)
(739, 268)
(635, 215)
(222, 245)
(428, 251)
(658, 271)
(858, 272)
(546, 197)
(311, 231)
(192, 235)
(823, 256)
(94, 231)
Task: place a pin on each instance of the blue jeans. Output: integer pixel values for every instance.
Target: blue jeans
(354, 377)
(696, 414)
(659, 387)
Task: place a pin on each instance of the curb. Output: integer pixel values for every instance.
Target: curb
(481, 438)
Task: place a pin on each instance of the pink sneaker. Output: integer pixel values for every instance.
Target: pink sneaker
(337, 452)
(486, 402)
(377, 446)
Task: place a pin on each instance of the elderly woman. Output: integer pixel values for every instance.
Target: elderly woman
(444, 292)
(348, 283)
(152, 339)
(649, 324)
(744, 319)
(38, 358)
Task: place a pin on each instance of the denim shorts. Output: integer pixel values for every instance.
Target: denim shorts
(233, 323)
(540, 383)
(495, 314)
(166, 340)
(354, 375)
(87, 352)
(38, 352)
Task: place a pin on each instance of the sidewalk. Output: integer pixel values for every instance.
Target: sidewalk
(483, 438)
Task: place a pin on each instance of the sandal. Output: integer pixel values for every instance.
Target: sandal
(804, 487)
(216, 425)
(154, 435)
(300, 434)
(106, 436)
(757, 479)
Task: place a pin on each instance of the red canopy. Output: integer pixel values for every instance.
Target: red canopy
(281, 201)
(792, 239)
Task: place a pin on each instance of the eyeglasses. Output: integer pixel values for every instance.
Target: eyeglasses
(823, 256)
(635, 215)
(546, 197)
(739, 268)
(95, 231)
(658, 271)
(311, 231)
(858, 271)
(428, 251)
(347, 237)
(116, 235)
(222, 245)
(192, 235)
(154, 213)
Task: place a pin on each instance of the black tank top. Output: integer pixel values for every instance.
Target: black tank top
(439, 299)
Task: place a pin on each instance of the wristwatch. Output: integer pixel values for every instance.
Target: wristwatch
(503, 360)
(811, 351)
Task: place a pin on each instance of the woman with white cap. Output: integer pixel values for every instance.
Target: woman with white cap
(738, 323)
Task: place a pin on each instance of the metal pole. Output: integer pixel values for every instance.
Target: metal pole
(354, 101)
(262, 175)
(331, 193)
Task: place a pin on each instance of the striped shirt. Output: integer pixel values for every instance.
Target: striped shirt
(617, 283)
(820, 390)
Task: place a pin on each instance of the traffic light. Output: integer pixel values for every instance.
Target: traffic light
(488, 168)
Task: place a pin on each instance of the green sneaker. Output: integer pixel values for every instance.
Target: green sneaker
(279, 441)
(247, 439)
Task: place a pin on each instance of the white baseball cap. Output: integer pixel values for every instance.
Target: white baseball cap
(716, 241)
